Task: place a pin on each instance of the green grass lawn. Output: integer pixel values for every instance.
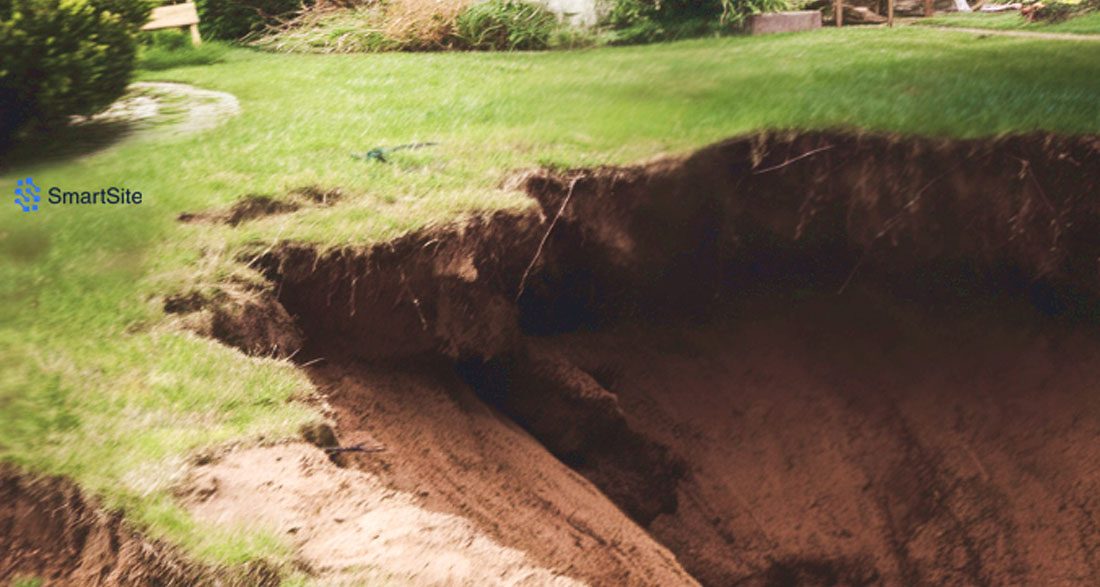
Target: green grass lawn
(1087, 24)
(94, 384)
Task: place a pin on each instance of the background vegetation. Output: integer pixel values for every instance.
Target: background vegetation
(418, 25)
(235, 19)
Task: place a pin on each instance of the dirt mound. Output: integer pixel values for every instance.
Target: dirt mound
(254, 206)
(247, 208)
(51, 532)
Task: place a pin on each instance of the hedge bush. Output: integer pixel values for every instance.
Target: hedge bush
(644, 21)
(231, 20)
(505, 25)
(64, 57)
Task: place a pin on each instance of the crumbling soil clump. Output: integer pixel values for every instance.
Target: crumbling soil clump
(51, 532)
(446, 291)
(240, 315)
(253, 206)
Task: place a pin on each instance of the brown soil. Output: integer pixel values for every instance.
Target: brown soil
(253, 206)
(463, 458)
(349, 527)
(866, 441)
(51, 532)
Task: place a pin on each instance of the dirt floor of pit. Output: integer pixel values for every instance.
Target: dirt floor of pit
(854, 440)
(834, 440)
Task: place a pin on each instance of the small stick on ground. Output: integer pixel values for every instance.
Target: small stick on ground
(977, 463)
(355, 448)
(542, 243)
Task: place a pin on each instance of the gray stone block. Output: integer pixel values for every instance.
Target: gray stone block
(786, 22)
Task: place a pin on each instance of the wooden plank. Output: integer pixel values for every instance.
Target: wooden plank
(173, 16)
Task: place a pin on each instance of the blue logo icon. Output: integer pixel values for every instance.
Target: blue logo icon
(26, 202)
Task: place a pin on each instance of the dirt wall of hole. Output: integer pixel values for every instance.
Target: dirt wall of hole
(674, 237)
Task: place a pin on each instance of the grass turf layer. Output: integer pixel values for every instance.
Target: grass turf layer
(93, 384)
(1086, 24)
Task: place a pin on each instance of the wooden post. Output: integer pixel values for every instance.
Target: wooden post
(890, 13)
(196, 40)
(929, 8)
(839, 13)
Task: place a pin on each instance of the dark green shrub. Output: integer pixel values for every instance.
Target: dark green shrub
(169, 48)
(165, 39)
(64, 57)
(504, 25)
(644, 21)
(231, 20)
(627, 13)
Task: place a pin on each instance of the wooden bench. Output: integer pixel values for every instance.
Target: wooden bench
(176, 16)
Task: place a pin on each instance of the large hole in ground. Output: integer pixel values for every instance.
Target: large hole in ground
(793, 359)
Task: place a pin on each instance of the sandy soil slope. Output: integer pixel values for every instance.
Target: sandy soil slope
(350, 528)
(460, 457)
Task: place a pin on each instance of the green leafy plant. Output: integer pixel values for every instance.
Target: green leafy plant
(166, 49)
(645, 21)
(64, 57)
(736, 12)
(231, 20)
(504, 25)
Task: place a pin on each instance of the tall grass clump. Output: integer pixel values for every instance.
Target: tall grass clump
(423, 25)
(505, 25)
